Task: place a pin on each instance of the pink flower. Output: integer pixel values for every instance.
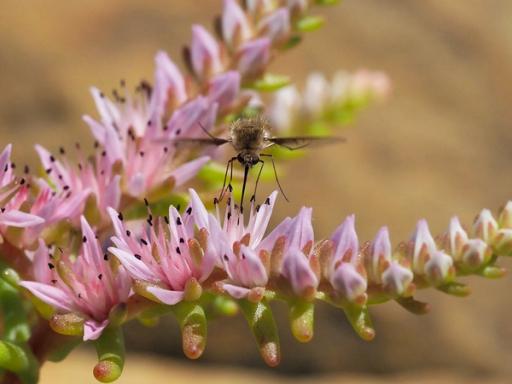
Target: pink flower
(276, 25)
(253, 57)
(224, 89)
(205, 53)
(427, 260)
(13, 193)
(384, 270)
(236, 28)
(85, 285)
(297, 253)
(73, 184)
(165, 257)
(239, 245)
(345, 272)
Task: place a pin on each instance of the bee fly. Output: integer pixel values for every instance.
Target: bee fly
(248, 137)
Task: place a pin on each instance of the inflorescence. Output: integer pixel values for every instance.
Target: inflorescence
(96, 240)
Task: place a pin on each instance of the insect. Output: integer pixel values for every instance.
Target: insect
(249, 136)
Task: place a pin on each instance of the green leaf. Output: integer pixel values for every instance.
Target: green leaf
(302, 315)
(359, 318)
(310, 23)
(293, 41)
(261, 321)
(413, 306)
(327, 2)
(493, 272)
(13, 357)
(192, 321)
(19, 360)
(224, 306)
(110, 350)
(455, 289)
(271, 82)
(15, 322)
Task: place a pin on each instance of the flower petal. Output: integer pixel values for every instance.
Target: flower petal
(93, 329)
(188, 170)
(53, 296)
(235, 291)
(19, 219)
(135, 267)
(198, 210)
(166, 296)
(297, 270)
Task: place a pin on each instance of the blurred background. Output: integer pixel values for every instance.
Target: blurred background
(439, 146)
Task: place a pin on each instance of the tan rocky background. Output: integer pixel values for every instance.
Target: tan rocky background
(440, 146)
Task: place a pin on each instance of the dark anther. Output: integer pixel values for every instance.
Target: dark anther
(182, 240)
(51, 266)
(137, 256)
(105, 257)
(100, 276)
(128, 233)
(253, 198)
(229, 215)
(226, 257)
(54, 281)
(146, 202)
(178, 221)
(189, 210)
(84, 239)
(267, 201)
(215, 201)
(178, 250)
(52, 159)
(143, 241)
(166, 219)
(120, 216)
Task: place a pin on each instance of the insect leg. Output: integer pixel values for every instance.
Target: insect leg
(246, 172)
(253, 198)
(206, 131)
(223, 190)
(275, 174)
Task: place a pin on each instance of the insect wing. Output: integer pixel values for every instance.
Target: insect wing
(298, 142)
(215, 141)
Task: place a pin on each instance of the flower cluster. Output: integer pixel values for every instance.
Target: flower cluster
(13, 193)
(321, 100)
(181, 259)
(88, 269)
